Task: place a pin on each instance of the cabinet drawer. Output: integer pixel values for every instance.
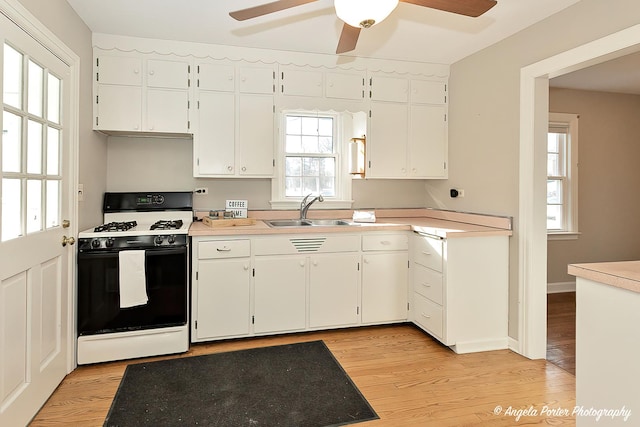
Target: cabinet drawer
(427, 314)
(308, 243)
(385, 242)
(427, 283)
(427, 251)
(224, 249)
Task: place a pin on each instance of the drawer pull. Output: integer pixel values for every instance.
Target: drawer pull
(426, 285)
(385, 242)
(426, 253)
(224, 249)
(425, 316)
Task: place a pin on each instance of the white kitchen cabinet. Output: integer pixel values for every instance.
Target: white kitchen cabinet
(280, 293)
(345, 85)
(141, 93)
(333, 290)
(389, 88)
(387, 140)
(385, 266)
(235, 120)
(460, 290)
(427, 145)
(301, 81)
(221, 289)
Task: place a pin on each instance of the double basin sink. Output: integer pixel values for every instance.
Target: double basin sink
(277, 223)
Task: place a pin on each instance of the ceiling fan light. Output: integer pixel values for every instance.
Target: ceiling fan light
(364, 13)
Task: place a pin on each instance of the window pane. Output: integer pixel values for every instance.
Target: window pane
(325, 145)
(293, 144)
(554, 191)
(53, 204)
(310, 185)
(11, 203)
(310, 126)
(327, 186)
(11, 142)
(328, 167)
(310, 144)
(553, 164)
(554, 217)
(293, 186)
(34, 147)
(34, 89)
(294, 125)
(552, 142)
(53, 99)
(34, 205)
(293, 166)
(325, 126)
(12, 77)
(310, 166)
(53, 151)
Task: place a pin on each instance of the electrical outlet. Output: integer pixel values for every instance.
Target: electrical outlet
(201, 190)
(460, 193)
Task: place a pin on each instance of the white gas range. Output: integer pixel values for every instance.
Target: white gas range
(133, 278)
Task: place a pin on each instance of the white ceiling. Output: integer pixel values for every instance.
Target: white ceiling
(411, 32)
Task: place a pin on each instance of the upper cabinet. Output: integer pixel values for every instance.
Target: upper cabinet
(142, 93)
(407, 128)
(235, 116)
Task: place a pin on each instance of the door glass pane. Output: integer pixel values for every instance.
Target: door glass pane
(11, 202)
(53, 151)
(11, 137)
(34, 147)
(12, 77)
(53, 203)
(34, 205)
(35, 89)
(53, 99)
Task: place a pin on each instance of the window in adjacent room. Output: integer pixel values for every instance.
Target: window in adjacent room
(311, 158)
(562, 175)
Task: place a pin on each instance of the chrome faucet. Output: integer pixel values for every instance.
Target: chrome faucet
(304, 206)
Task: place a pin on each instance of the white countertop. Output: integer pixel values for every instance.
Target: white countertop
(621, 274)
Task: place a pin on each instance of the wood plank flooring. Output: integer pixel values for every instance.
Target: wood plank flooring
(561, 330)
(408, 378)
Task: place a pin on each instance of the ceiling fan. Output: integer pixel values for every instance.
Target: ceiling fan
(359, 14)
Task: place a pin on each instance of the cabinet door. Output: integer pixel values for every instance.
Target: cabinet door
(387, 143)
(255, 135)
(215, 140)
(119, 107)
(394, 89)
(280, 294)
(223, 298)
(118, 70)
(216, 76)
(345, 85)
(333, 290)
(427, 141)
(167, 110)
(301, 82)
(428, 92)
(254, 79)
(384, 287)
(168, 74)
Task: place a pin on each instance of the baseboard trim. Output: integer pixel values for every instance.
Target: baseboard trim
(558, 287)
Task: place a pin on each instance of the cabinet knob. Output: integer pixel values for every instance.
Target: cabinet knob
(151, 72)
(301, 263)
(136, 71)
(244, 169)
(229, 168)
(366, 260)
(331, 84)
(246, 267)
(315, 263)
(244, 79)
(135, 127)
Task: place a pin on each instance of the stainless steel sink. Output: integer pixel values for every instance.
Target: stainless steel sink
(288, 223)
(308, 222)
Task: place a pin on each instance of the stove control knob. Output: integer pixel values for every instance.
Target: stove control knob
(158, 240)
(171, 239)
(109, 243)
(95, 243)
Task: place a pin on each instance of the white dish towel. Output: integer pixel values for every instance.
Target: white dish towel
(133, 286)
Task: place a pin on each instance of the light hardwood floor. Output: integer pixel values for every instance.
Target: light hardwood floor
(561, 330)
(407, 377)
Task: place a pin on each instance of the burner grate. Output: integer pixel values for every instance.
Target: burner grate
(167, 225)
(115, 226)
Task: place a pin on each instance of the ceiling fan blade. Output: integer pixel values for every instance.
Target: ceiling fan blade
(267, 8)
(348, 39)
(473, 8)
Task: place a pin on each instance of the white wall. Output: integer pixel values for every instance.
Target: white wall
(62, 20)
(484, 113)
(165, 164)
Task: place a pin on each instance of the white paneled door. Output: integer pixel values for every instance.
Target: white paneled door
(35, 266)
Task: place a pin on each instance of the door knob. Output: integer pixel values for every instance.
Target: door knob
(68, 240)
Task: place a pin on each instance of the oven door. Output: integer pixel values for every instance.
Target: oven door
(99, 299)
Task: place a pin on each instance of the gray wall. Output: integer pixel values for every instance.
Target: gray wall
(484, 113)
(62, 20)
(609, 206)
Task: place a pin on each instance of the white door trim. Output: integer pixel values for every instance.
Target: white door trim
(17, 13)
(534, 109)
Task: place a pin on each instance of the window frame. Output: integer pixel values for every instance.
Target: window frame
(570, 177)
(342, 198)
